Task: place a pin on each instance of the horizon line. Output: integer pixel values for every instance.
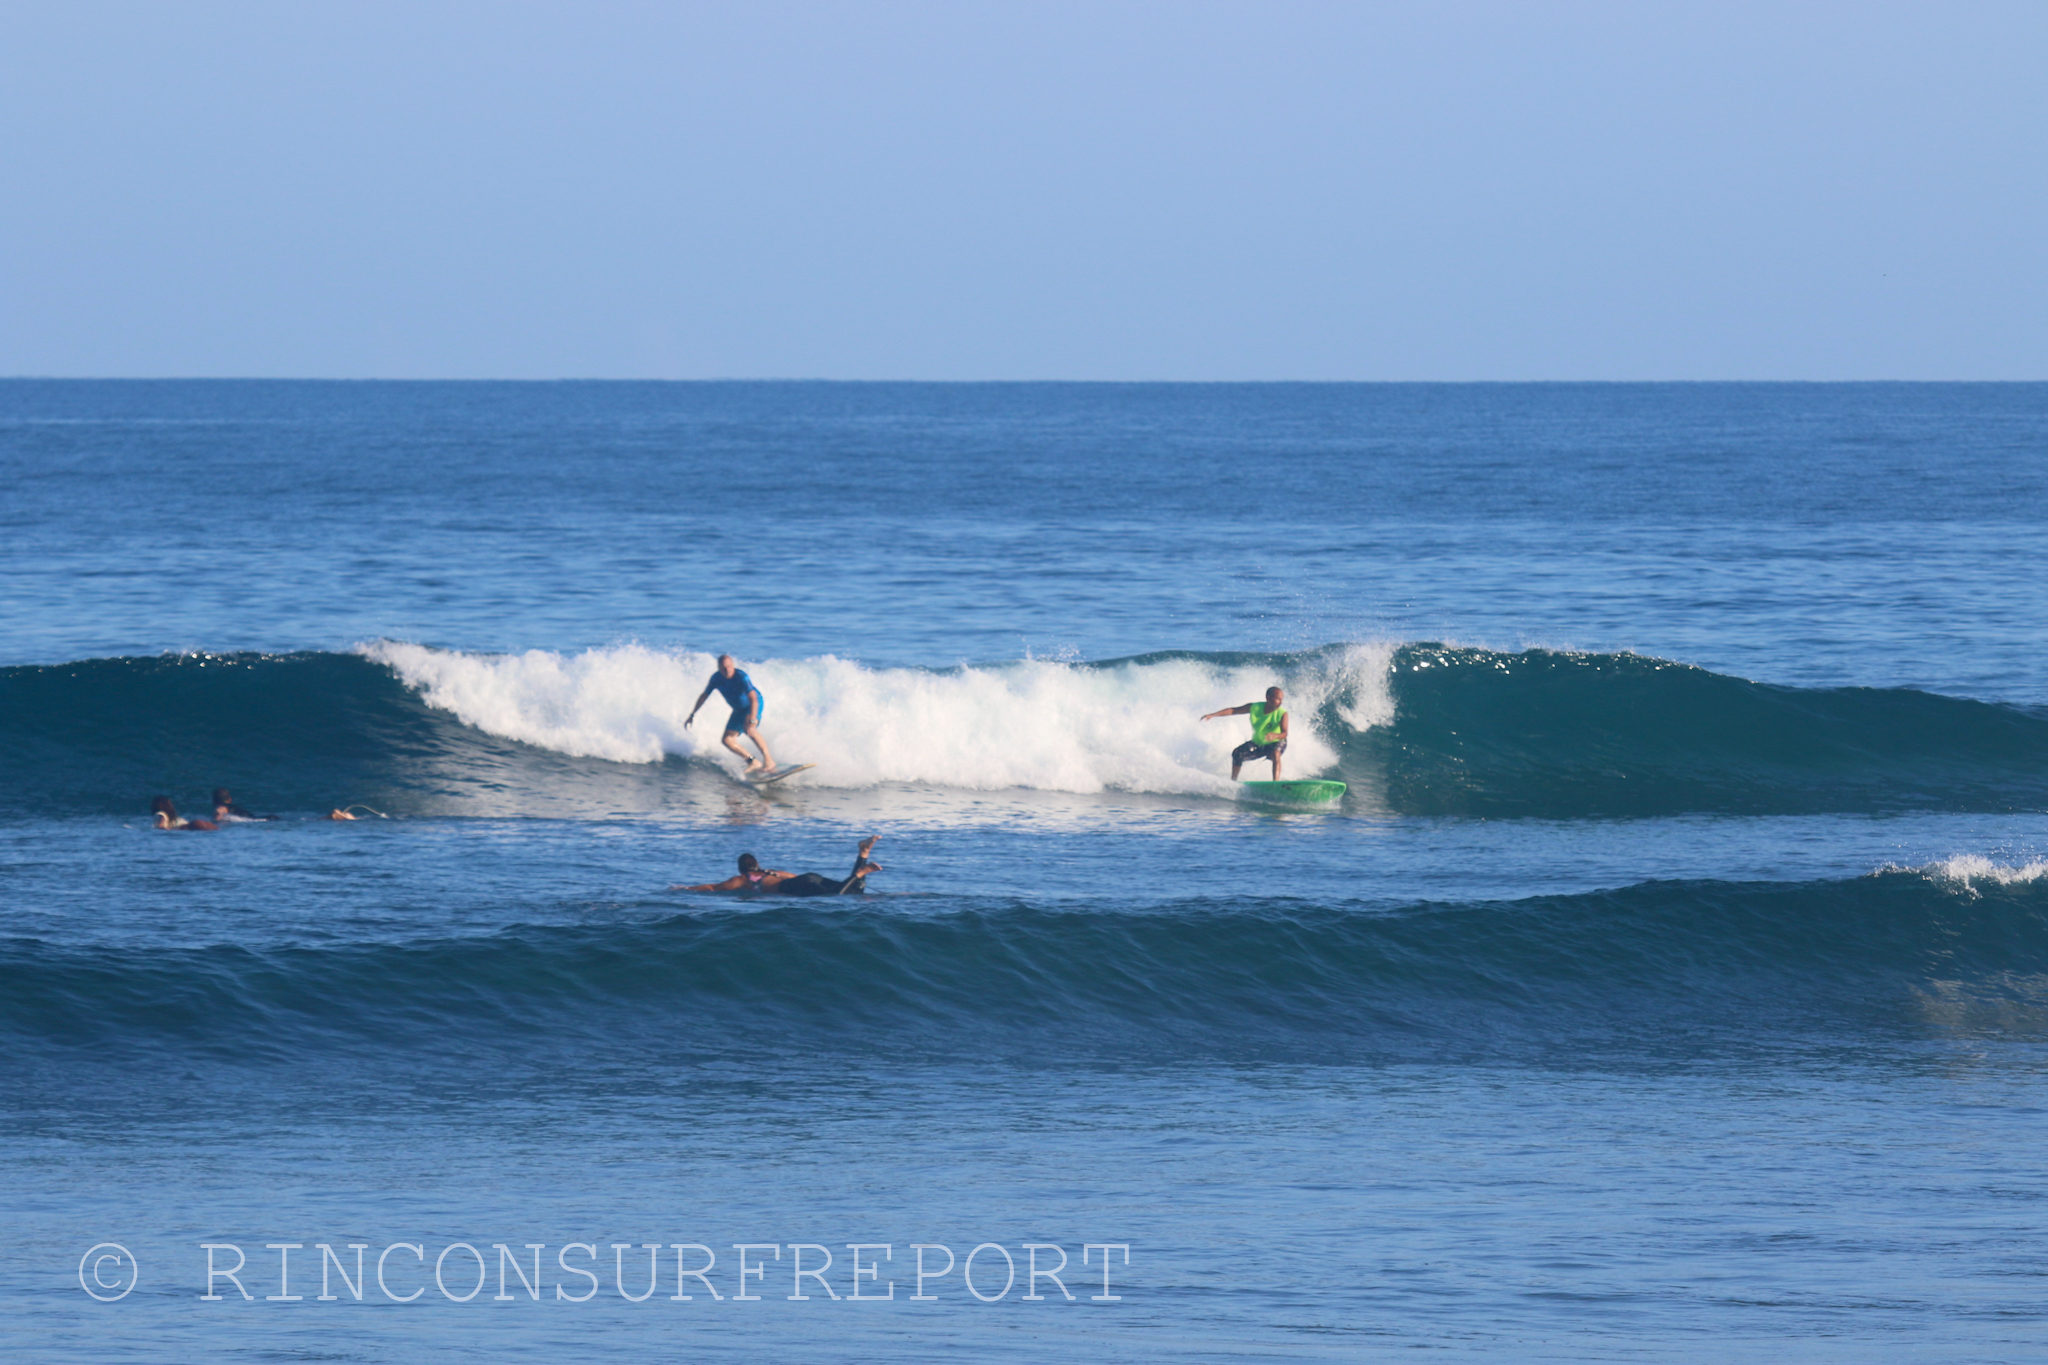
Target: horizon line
(801, 379)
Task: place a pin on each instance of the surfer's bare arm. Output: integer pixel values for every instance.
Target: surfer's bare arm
(732, 883)
(692, 716)
(1244, 710)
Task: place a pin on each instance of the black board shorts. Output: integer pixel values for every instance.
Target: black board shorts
(1251, 751)
(817, 884)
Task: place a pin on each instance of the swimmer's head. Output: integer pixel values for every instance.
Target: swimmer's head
(220, 796)
(1273, 694)
(749, 863)
(161, 805)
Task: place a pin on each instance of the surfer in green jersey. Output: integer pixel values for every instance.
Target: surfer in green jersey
(1269, 732)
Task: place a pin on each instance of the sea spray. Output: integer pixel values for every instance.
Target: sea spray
(1967, 872)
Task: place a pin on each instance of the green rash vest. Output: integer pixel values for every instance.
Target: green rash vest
(1266, 719)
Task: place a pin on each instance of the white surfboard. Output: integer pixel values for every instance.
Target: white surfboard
(761, 778)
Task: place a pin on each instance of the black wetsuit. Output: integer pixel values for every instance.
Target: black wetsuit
(818, 884)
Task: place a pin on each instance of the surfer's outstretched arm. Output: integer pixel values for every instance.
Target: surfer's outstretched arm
(729, 884)
(1244, 710)
(751, 877)
(698, 707)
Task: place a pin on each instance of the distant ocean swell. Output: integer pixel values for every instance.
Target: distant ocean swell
(1416, 729)
(1956, 949)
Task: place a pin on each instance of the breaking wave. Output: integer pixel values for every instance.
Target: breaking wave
(1415, 729)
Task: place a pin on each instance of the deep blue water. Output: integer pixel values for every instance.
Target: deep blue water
(1671, 984)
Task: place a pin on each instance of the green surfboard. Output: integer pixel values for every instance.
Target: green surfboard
(1308, 793)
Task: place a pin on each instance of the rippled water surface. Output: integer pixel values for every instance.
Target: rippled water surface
(1671, 982)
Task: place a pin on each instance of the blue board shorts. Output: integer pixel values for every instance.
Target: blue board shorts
(736, 723)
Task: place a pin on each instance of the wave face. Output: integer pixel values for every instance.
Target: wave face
(1418, 729)
(1563, 735)
(301, 731)
(1660, 966)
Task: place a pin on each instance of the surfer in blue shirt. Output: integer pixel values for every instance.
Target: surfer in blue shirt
(732, 683)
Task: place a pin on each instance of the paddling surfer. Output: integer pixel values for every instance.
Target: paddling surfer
(732, 683)
(228, 813)
(165, 816)
(753, 879)
(1269, 732)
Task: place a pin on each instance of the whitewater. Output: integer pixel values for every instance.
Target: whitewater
(1048, 725)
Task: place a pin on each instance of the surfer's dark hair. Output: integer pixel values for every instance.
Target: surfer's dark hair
(162, 805)
(220, 796)
(749, 863)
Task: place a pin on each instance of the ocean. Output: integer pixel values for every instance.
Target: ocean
(1671, 983)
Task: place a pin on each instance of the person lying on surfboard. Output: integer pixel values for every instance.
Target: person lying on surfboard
(757, 880)
(732, 683)
(227, 812)
(1269, 732)
(167, 817)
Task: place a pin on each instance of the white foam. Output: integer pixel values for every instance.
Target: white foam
(1965, 871)
(1049, 725)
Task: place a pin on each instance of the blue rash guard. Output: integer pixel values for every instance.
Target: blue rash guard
(734, 690)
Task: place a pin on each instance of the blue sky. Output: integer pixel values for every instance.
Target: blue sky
(1107, 190)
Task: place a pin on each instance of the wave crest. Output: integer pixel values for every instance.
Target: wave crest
(1130, 725)
(1968, 872)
